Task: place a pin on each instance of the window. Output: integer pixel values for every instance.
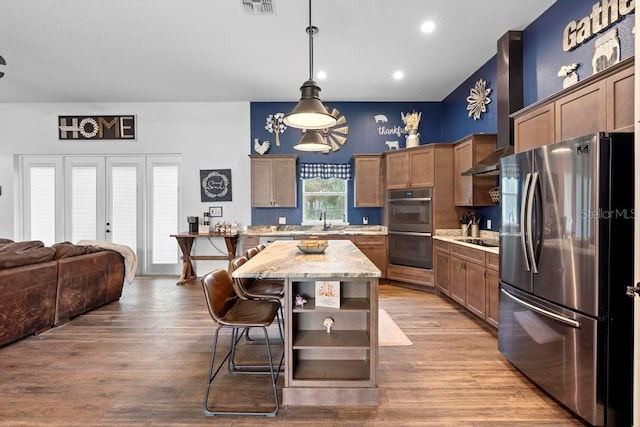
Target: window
(324, 195)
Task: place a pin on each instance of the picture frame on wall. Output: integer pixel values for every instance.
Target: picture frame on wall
(215, 211)
(215, 185)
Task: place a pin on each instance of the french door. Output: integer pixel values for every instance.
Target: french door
(130, 200)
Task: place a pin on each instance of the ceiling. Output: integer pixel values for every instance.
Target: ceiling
(212, 51)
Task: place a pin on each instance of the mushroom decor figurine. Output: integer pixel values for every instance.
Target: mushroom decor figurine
(328, 323)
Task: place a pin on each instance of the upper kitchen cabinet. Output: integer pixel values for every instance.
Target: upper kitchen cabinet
(473, 190)
(273, 181)
(601, 102)
(410, 167)
(368, 180)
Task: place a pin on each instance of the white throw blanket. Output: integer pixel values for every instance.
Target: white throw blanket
(130, 257)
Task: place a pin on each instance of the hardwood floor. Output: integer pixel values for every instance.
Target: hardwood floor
(144, 360)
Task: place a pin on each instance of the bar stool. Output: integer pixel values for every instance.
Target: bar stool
(251, 252)
(261, 247)
(260, 289)
(229, 311)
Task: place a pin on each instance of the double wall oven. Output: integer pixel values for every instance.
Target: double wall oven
(410, 227)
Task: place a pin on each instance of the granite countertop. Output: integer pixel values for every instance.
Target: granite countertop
(296, 230)
(454, 236)
(282, 258)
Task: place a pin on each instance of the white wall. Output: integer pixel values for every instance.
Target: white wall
(206, 135)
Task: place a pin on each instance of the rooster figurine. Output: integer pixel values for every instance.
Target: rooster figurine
(261, 147)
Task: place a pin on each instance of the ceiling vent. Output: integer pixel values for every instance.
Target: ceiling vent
(258, 7)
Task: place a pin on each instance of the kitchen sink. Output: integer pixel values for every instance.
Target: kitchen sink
(490, 243)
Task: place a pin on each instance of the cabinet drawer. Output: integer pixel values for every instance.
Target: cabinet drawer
(439, 245)
(469, 254)
(370, 240)
(492, 261)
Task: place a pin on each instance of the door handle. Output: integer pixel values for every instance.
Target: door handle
(542, 311)
(532, 190)
(523, 220)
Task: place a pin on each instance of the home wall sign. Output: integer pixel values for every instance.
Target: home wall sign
(96, 127)
(604, 14)
(215, 185)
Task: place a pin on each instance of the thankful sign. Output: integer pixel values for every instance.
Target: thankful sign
(96, 127)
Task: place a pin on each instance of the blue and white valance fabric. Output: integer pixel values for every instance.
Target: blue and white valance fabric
(325, 170)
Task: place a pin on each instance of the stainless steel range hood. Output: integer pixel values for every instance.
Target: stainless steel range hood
(490, 165)
(510, 99)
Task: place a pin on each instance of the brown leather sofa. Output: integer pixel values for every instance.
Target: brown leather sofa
(41, 287)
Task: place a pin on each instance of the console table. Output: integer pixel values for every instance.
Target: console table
(336, 368)
(185, 241)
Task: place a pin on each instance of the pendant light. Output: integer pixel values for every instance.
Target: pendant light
(312, 140)
(310, 113)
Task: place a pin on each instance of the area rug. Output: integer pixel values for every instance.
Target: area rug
(390, 334)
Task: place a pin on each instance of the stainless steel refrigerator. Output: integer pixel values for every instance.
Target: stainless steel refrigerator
(566, 258)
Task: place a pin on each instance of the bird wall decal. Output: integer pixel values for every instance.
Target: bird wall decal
(261, 147)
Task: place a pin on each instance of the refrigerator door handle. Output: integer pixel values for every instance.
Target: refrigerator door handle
(542, 311)
(532, 190)
(523, 216)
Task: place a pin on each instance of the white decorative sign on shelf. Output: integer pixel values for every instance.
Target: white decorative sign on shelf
(328, 293)
(606, 51)
(569, 74)
(478, 99)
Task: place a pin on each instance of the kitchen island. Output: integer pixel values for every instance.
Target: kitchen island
(336, 368)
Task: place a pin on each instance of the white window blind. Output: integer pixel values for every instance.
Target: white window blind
(83, 203)
(42, 196)
(165, 213)
(124, 206)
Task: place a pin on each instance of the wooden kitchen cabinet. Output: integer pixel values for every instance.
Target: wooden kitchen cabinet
(442, 265)
(368, 180)
(458, 288)
(535, 128)
(601, 102)
(492, 285)
(410, 167)
(581, 112)
(472, 190)
(375, 248)
(273, 181)
(470, 277)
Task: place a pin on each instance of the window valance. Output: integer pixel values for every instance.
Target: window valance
(325, 170)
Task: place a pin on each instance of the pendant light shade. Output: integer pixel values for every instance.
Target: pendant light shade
(310, 113)
(312, 140)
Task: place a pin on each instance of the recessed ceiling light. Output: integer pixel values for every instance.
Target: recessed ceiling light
(398, 75)
(321, 75)
(428, 27)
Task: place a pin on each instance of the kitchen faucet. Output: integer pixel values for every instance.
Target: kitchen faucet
(323, 216)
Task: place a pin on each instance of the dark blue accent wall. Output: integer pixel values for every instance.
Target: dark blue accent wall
(366, 135)
(448, 120)
(456, 122)
(542, 47)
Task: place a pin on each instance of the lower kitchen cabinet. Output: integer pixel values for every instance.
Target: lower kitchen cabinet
(375, 248)
(458, 281)
(470, 277)
(475, 288)
(442, 265)
(492, 286)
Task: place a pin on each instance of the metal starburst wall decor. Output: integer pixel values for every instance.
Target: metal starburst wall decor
(478, 99)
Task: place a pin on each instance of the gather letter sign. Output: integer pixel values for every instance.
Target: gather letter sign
(603, 14)
(96, 127)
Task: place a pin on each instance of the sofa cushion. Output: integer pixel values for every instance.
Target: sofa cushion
(21, 246)
(5, 241)
(68, 249)
(11, 259)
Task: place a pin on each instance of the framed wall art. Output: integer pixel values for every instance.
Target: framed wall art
(215, 211)
(215, 185)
